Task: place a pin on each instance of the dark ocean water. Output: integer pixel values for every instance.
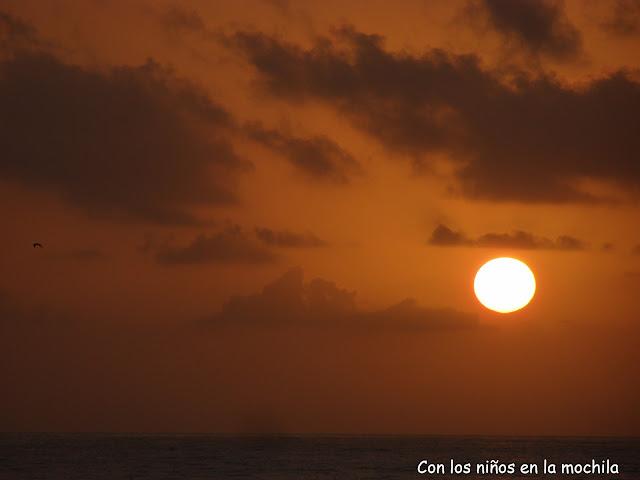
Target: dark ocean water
(91, 456)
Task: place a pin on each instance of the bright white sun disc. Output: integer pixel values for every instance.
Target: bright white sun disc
(504, 285)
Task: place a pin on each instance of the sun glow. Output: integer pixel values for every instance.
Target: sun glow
(504, 285)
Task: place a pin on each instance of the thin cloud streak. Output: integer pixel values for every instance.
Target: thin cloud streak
(443, 236)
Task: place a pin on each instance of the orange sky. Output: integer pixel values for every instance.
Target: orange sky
(192, 168)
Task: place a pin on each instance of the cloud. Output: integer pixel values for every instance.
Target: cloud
(318, 157)
(288, 301)
(443, 236)
(636, 249)
(178, 19)
(519, 138)
(229, 246)
(16, 34)
(288, 239)
(126, 142)
(624, 19)
(409, 316)
(538, 27)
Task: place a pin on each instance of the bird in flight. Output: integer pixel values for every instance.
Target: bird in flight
(37, 245)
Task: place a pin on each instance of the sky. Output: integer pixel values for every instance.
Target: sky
(266, 216)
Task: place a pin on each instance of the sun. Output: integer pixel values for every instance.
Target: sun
(504, 285)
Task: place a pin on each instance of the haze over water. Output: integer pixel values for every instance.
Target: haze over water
(191, 457)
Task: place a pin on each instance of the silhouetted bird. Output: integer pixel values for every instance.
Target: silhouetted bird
(37, 245)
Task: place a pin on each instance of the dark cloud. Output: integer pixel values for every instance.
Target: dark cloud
(445, 237)
(317, 157)
(636, 249)
(229, 246)
(178, 19)
(517, 138)
(16, 34)
(153, 241)
(539, 27)
(409, 316)
(289, 301)
(566, 242)
(126, 142)
(287, 239)
(624, 19)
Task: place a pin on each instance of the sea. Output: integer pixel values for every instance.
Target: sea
(190, 457)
